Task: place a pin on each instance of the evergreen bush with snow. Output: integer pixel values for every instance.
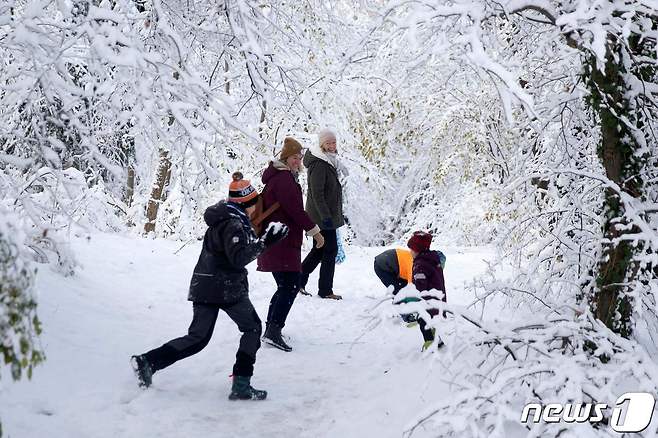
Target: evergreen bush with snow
(19, 324)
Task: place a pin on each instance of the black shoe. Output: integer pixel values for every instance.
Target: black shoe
(242, 390)
(331, 296)
(409, 317)
(143, 370)
(273, 337)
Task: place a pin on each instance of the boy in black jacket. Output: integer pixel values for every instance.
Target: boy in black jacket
(219, 282)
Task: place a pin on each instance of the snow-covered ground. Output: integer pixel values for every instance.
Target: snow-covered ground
(343, 378)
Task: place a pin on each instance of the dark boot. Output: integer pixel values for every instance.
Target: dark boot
(242, 390)
(331, 296)
(143, 370)
(272, 336)
(409, 318)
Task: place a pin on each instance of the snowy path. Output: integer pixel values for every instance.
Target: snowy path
(130, 296)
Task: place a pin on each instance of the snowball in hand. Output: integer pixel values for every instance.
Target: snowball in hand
(274, 232)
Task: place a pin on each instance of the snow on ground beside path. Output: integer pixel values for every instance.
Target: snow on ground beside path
(341, 380)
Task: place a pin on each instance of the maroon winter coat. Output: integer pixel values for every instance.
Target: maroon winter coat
(428, 274)
(286, 255)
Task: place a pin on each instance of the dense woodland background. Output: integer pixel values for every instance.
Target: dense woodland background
(527, 125)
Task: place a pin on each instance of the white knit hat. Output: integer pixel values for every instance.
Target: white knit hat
(325, 135)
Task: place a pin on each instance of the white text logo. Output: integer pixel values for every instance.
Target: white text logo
(632, 412)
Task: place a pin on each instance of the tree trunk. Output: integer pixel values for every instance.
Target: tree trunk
(130, 186)
(158, 192)
(263, 113)
(617, 267)
(227, 86)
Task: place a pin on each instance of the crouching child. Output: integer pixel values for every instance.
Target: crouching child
(394, 267)
(219, 282)
(427, 275)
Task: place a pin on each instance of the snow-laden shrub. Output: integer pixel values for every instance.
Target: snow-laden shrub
(55, 203)
(495, 368)
(19, 325)
(495, 364)
(88, 206)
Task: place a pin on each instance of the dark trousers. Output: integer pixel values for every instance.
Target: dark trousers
(326, 257)
(200, 332)
(390, 279)
(287, 285)
(428, 334)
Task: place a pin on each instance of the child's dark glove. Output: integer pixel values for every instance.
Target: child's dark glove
(275, 232)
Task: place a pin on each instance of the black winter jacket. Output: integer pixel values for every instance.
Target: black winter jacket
(388, 261)
(229, 245)
(324, 199)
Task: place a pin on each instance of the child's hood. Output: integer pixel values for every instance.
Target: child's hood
(222, 211)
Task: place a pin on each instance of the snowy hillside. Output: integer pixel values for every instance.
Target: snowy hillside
(343, 378)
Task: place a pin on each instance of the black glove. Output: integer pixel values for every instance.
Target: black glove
(327, 224)
(275, 232)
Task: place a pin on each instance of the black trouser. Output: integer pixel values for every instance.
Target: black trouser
(327, 257)
(428, 334)
(200, 332)
(287, 284)
(390, 279)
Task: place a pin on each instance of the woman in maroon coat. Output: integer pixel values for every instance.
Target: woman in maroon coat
(284, 259)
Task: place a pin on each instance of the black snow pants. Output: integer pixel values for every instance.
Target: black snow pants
(428, 334)
(390, 279)
(326, 257)
(200, 332)
(287, 287)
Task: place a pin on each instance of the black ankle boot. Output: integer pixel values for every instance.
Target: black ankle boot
(273, 337)
(242, 390)
(143, 370)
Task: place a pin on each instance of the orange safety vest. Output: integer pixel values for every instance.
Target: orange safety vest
(405, 264)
